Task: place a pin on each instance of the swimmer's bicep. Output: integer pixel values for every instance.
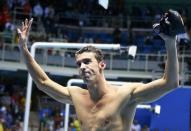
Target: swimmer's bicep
(150, 91)
(56, 91)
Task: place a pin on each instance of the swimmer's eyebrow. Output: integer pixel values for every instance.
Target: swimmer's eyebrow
(85, 60)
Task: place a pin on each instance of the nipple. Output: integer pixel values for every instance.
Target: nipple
(107, 121)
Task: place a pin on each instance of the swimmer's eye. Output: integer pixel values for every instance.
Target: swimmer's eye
(85, 61)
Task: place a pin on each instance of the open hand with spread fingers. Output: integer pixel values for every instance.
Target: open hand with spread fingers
(23, 32)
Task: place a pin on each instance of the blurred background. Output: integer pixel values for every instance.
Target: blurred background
(126, 22)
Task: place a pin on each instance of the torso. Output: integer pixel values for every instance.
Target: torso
(111, 113)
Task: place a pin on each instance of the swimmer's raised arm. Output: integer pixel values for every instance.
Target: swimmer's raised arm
(40, 78)
(170, 80)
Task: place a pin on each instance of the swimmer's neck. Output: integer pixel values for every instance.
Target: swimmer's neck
(98, 89)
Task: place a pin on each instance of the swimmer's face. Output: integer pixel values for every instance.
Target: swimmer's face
(89, 67)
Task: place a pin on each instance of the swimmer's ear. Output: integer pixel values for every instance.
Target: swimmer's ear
(102, 64)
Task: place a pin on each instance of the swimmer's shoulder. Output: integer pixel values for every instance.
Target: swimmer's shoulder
(76, 89)
(128, 85)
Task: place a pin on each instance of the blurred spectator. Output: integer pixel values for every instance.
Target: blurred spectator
(21, 2)
(49, 12)
(189, 29)
(6, 99)
(135, 126)
(1, 46)
(75, 124)
(184, 41)
(48, 19)
(15, 105)
(157, 15)
(18, 126)
(38, 10)
(1, 126)
(10, 4)
(2, 88)
(117, 35)
(4, 17)
(58, 119)
(44, 120)
(11, 112)
(6, 13)
(1, 21)
(184, 14)
(10, 26)
(6, 118)
(182, 38)
(50, 123)
(27, 9)
(8, 32)
(145, 128)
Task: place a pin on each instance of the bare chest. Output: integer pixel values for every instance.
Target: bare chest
(102, 116)
(100, 119)
(111, 113)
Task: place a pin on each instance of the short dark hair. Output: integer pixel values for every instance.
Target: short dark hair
(98, 53)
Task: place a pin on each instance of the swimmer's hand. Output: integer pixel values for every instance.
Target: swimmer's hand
(23, 32)
(171, 24)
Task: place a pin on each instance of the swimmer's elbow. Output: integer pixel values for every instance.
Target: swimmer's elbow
(172, 84)
(45, 82)
(42, 85)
